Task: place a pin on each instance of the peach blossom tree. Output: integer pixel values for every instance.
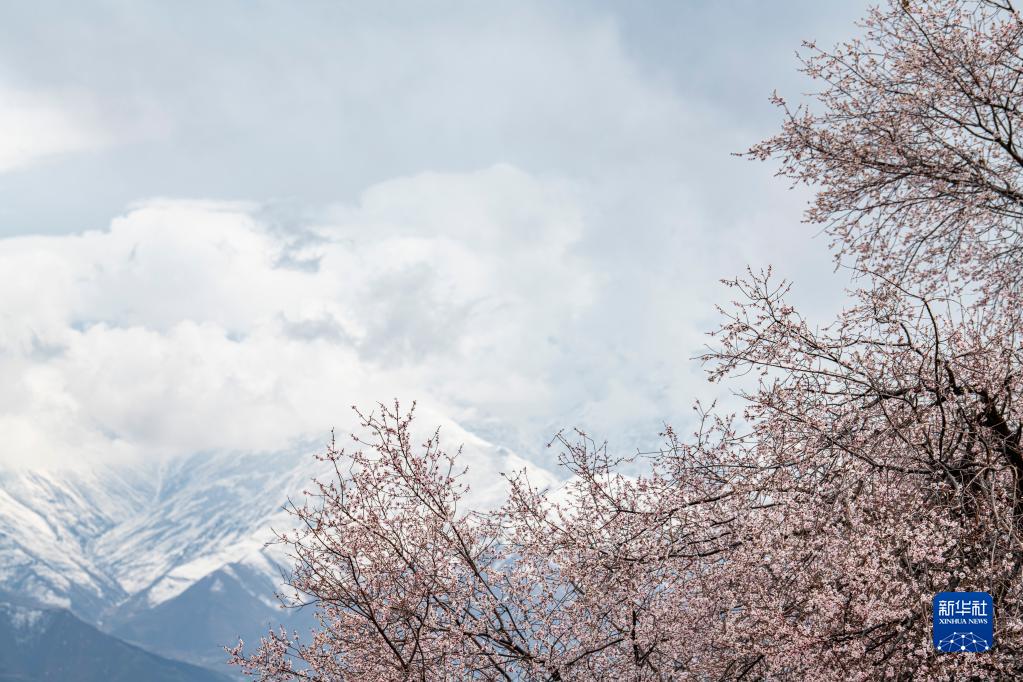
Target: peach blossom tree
(878, 460)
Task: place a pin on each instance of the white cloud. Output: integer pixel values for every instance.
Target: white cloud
(178, 330)
(198, 326)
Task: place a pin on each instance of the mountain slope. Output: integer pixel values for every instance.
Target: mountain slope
(43, 645)
(46, 525)
(232, 602)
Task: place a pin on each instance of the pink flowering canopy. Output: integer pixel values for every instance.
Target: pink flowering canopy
(877, 463)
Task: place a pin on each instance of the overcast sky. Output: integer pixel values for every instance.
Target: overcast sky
(221, 224)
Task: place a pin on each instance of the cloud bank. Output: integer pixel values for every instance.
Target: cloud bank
(191, 326)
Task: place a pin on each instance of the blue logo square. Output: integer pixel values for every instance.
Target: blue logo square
(964, 621)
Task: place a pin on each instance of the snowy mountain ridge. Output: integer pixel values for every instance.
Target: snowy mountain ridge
(90, 540)
(172, 557)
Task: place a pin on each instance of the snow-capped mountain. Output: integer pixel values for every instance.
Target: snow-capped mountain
(170, 556)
